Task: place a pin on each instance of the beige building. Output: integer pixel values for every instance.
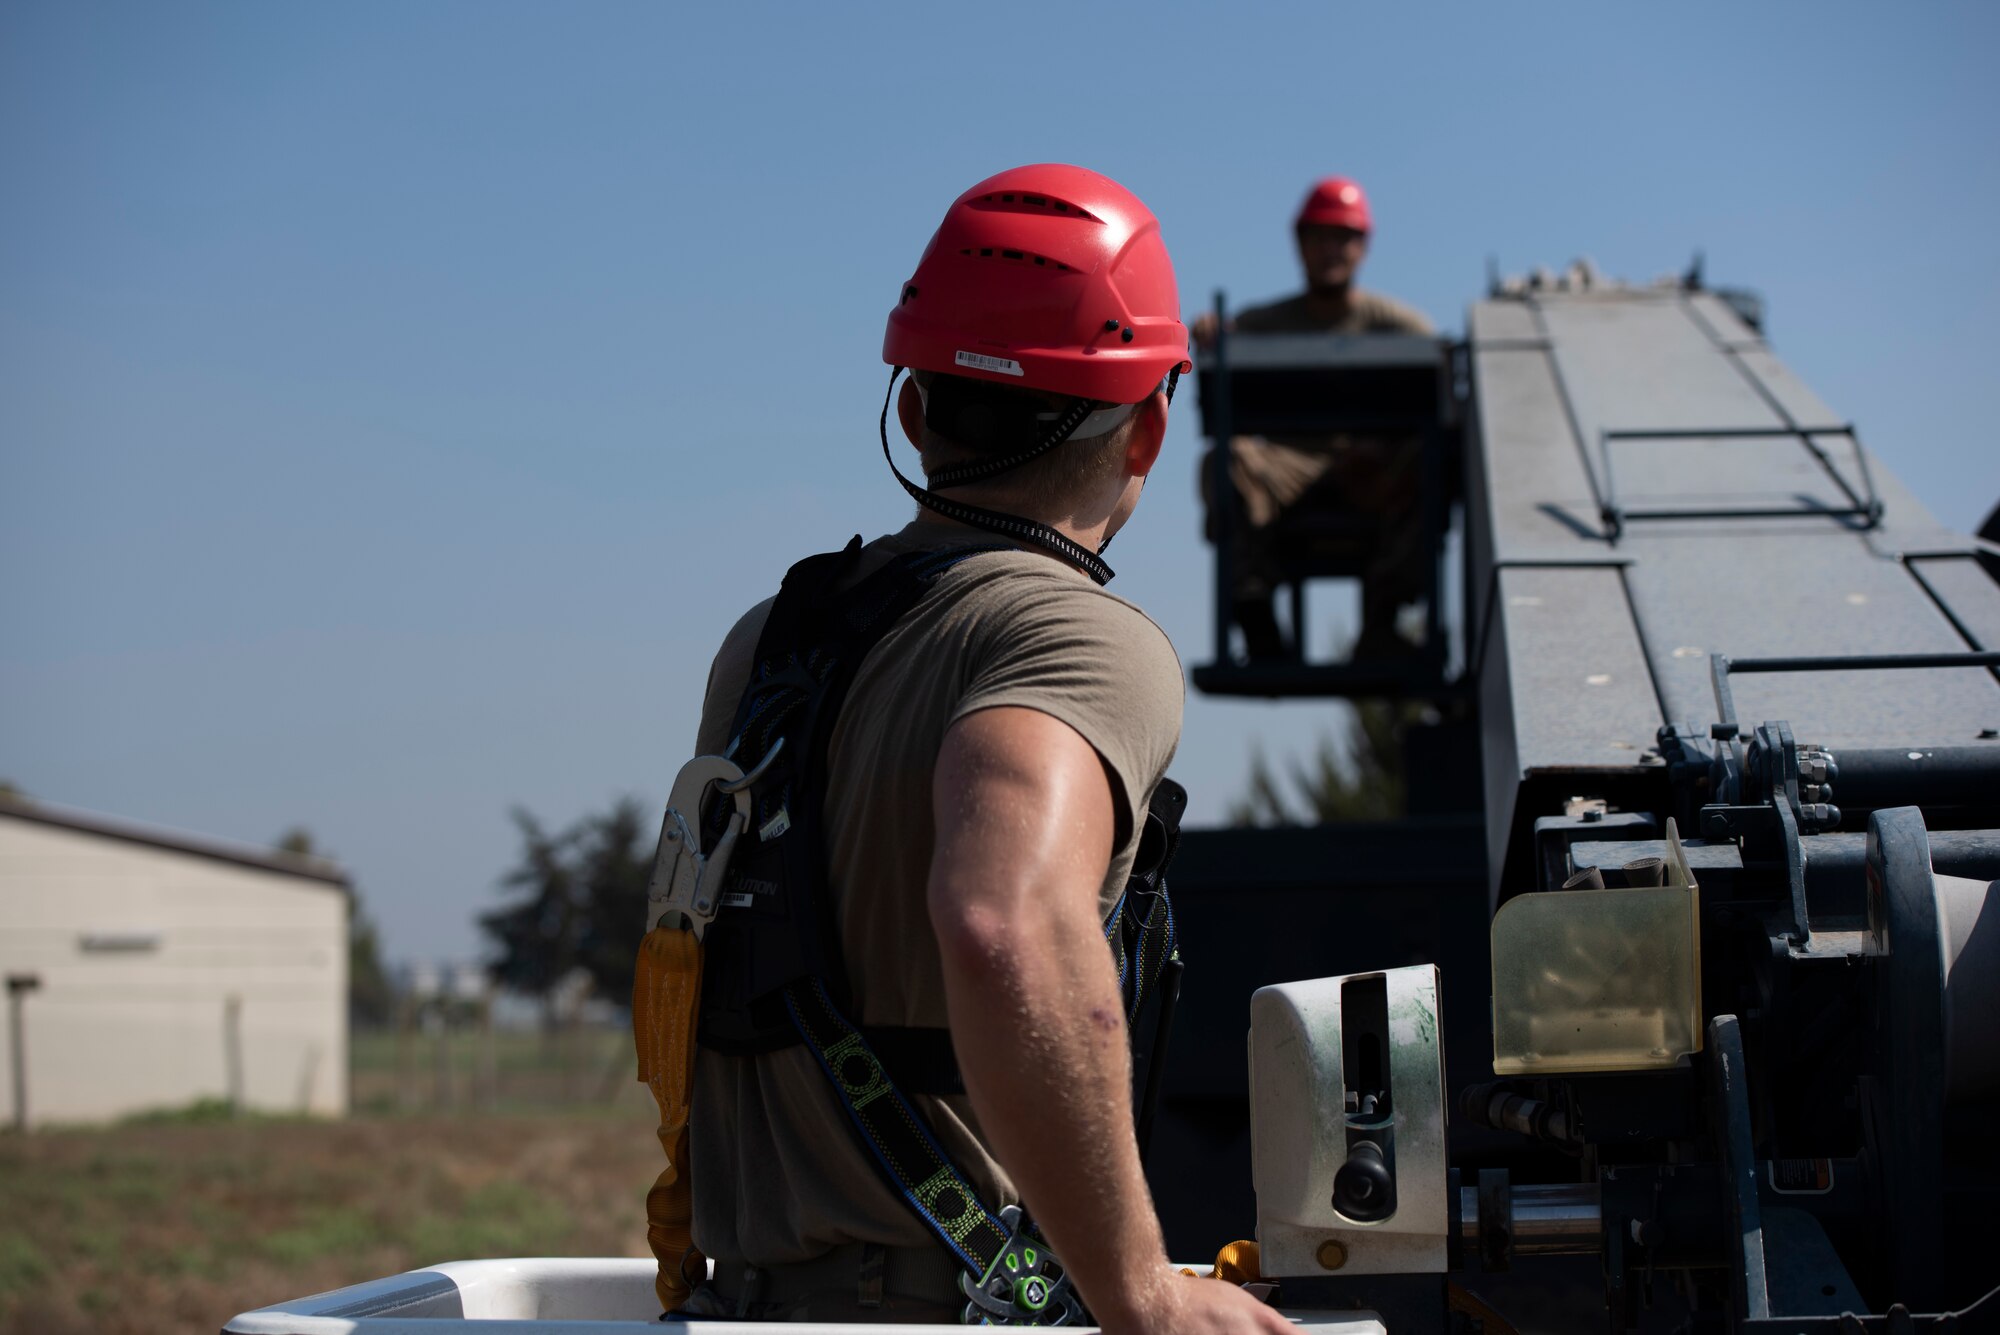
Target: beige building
(148, 969)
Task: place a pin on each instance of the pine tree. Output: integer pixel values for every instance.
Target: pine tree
(1355, 777)
(582, 905)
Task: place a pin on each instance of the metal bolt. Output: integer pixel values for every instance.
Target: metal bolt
(1127, 336)
(1111, 326)
(1332, 1254)
(1593, 814)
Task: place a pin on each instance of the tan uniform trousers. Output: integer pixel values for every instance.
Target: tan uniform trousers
(1373, 476)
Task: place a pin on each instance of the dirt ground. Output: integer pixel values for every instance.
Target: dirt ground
(177, 1227)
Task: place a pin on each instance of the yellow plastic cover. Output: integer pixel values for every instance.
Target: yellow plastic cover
(1599, 980)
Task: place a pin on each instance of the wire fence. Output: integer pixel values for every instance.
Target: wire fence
(476, 1067)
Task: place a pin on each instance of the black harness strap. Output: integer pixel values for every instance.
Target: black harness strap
(895, 1133)
(920, 1061)
(777, 925)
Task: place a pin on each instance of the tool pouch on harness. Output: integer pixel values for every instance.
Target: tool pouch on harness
(1140, 927)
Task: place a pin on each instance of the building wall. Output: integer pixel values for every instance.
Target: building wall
(140, 951)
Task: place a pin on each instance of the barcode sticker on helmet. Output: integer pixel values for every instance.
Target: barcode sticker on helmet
(979, 361)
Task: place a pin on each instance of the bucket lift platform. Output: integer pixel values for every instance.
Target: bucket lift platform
(1312, 384)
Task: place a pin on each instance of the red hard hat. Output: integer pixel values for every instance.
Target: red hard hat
(1047, 277)
(1335, 202)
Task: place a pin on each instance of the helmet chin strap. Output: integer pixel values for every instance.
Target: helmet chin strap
(1167, 387)
(993, 521)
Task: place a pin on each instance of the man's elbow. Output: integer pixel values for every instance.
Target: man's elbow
(977, 939)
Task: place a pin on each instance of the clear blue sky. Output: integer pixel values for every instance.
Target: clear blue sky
(397, 402)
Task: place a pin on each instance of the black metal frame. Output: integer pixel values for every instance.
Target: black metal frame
(1221, 487)
(1730, 1113)
(1720, 666)
(1868, 509)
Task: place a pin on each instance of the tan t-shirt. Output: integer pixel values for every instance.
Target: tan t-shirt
(1367, 313)
(778, 1174)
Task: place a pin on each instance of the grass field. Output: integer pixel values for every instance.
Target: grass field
(177, 1224)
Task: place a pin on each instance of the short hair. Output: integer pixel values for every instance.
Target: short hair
(1062, 475)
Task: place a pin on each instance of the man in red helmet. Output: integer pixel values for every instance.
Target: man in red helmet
(1275, 475)
(981, 787)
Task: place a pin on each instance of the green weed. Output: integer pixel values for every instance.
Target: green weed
(23, 1267)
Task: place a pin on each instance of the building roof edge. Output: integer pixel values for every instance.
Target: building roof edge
(311, 868)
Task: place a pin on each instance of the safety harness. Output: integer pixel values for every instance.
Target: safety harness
(742, 867)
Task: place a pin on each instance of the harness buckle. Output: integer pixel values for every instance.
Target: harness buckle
(687, 878)
(1025, 1285)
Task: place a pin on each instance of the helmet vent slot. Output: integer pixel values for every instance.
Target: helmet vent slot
(1016, 202)
(1018, 256)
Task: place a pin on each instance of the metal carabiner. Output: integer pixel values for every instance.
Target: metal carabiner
(687, 878)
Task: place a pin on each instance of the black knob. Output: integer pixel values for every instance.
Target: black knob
(1363, 1189)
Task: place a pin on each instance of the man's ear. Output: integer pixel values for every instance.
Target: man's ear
(910, 412)
(1149, 432)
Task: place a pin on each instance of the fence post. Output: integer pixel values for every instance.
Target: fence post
(232, 1051)
(489, 1057)
(442, 1013)
(406, 1079)
(18, 987)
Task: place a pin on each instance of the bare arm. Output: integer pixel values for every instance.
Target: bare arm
(1024, 821)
